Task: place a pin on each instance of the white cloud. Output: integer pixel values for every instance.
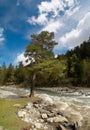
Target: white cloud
(50, 14)
(72, 11)
(70, 2)
(1, 35)
(53, 26)
(21, 58)
(54, 6)
(42, 19)
(77, 35)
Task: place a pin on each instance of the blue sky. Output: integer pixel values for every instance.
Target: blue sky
(69, 19)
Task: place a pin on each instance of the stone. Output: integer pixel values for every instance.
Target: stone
(34, 129)
(27, 119)
(61, 127)
(41, 120)
(74, 126)
(51, 114)
(45, 127)
(36, 105)
(16, 105)
(21, 113)
(57, 119)
(60, 119)
(50, 120)
(29, 105)
(44, 116)
(38, 125)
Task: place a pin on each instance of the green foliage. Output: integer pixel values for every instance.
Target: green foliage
(2, 74)
(85, 72)
(44, 69)
(40, 47)
(9, 77)
(78, 64)
(20, 73)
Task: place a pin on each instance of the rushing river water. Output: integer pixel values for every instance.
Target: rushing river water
(75, 107)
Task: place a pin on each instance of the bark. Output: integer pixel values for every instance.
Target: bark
(33, 85)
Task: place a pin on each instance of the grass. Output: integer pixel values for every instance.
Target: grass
(8, 113)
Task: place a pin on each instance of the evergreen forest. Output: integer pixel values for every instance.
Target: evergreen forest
(44, 70)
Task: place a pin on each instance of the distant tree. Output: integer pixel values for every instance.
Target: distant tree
(20, 73)
(2, 73)
(9, 77)
(85, 72)
(39, 49)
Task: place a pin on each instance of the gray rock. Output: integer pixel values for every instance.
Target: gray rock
(34, 129)
(44, 116)
(51, 114)
(50, 120)
(57, 119)
(16, 105)
(29, 105)
(60, 119)
(38, 125)
(22, 113)
(61, 127)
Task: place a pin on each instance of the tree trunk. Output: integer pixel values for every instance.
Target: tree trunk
(33, 85)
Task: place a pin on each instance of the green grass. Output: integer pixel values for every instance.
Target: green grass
(8, 113)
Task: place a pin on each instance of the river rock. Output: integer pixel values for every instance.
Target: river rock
(38, 125)
(29, 105)
(61, 127)
(22, 113)
(44, 116)
(34, 129)
(50, 120)
(27, 119)
(16, 105)
(57, 119)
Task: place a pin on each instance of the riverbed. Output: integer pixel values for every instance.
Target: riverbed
(75, 104)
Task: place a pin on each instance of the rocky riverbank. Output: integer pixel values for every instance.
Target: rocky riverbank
(52, 113)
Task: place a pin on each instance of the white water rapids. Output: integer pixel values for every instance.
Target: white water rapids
(76, 108)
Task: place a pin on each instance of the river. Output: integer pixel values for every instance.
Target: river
(75, 106)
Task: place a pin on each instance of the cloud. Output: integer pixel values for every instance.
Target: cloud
(53, 26)
(21, 58)
(77, 35)
(2, 38)
(50, 14)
